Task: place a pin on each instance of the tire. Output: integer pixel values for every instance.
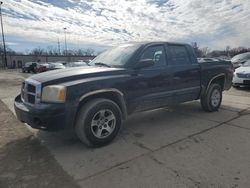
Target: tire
(92, 122)
(236, 86)
(211, 101)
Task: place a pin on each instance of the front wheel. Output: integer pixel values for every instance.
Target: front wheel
(236, 86)
(98, 122)
(211, 101)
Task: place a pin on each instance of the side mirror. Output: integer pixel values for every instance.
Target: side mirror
(143, 63)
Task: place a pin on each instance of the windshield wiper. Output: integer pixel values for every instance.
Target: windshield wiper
(102, 64)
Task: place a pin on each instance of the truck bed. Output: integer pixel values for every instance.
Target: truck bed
(210, 69)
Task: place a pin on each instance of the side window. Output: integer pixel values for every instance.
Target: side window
(179, 55)
(156, 53)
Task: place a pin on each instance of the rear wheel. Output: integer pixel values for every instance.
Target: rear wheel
(98, 122)
(211, 101)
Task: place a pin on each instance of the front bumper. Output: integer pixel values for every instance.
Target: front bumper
(49, 117)
(241, 81)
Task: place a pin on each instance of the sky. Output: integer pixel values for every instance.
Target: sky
(99, 24)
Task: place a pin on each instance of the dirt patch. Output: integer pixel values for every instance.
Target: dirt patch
(24, 162)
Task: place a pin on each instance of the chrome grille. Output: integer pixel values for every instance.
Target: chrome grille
(31, 88)
(31, 92)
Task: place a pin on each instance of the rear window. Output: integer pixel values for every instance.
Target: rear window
(179, 55)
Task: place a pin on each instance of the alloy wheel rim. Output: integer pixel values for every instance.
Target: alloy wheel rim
(215, 98)
(103, 123)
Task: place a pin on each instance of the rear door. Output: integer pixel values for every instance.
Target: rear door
(185, 73)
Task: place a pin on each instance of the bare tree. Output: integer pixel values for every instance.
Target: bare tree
(27, 51)
(197, 50)
(52, 50)
(79, 52)
(38, 51)
(228, 51)
(205, 51)
(55, 51)
(89, 52)
(9, 51)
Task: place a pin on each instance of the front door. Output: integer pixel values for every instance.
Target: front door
(150, 86)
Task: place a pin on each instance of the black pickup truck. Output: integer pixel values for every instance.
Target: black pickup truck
(95, 99)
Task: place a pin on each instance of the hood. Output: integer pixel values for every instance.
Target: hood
(243, 69)
(70, 74)
(241, 57)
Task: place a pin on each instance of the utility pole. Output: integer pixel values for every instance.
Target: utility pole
(58, 43)
(4, 47)
(65, 41)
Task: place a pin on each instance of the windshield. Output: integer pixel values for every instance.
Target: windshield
(115, 57)
(246, 64)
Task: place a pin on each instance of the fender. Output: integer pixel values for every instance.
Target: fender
(113, 90)
(211, 80)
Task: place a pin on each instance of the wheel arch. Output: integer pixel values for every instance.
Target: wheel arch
(219, 78)
(112, 94)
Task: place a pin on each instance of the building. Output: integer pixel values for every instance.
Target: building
(17, 61)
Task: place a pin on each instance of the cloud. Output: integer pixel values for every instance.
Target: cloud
(216, 23)
(11, 43)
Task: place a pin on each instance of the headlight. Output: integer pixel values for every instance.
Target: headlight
(54, 93)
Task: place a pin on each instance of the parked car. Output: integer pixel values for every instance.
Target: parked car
(242, 75)
(225, 58)
(240, 59)
(76, 64)
(94, 100)
(62, 62)
(202, 60)
(29, 67)
(55, 66)
(43, 67)
(207, 59)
